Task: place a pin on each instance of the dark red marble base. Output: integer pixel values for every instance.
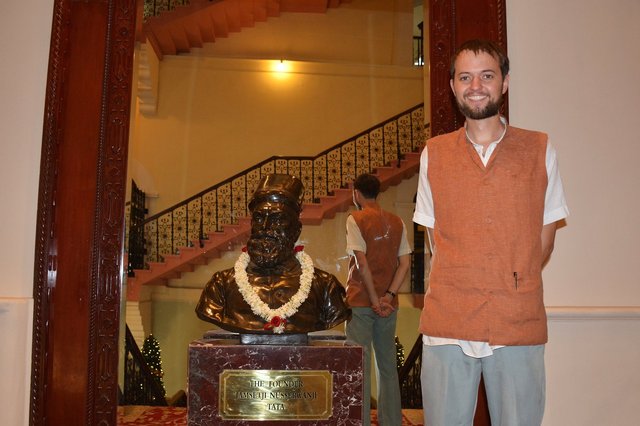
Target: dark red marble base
(209, 358)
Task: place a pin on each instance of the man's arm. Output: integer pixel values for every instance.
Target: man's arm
(398, 277)
(548, 238)
(365, 273)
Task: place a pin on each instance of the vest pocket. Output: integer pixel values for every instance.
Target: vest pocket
(525, 282)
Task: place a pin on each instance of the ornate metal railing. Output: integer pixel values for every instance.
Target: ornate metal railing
(136, 212)
(418, 51)
(418, 259)
(155, 7)
(409, 377)
(222, 204)
(418, 46)
(140, 388)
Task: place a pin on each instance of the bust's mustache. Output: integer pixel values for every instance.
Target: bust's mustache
(269, 242)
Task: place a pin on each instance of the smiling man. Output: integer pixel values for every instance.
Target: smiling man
(490, 195)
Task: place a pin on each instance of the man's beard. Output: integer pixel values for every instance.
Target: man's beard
(269, 251)
(492, 108)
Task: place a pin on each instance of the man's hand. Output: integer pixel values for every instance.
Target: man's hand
(383, 308)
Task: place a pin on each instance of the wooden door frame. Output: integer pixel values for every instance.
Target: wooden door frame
(79, 231)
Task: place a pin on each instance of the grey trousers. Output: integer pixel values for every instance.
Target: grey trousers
(514, 379)
(368, 329)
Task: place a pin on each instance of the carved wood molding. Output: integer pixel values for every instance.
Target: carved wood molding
(442, 43)
(107, 269)
(45, 252)
(106, 252)
(451, 23)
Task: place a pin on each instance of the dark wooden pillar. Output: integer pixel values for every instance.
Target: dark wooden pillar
(80, 214)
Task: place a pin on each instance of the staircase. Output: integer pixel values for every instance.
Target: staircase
(216, 220)
(232, 235)
(134, 322)
(203, 21)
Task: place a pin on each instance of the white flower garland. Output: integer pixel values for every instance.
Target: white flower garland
(276, 318)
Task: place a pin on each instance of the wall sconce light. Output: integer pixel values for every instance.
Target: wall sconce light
(281, 66)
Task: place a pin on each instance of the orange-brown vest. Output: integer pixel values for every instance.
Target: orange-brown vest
(381, 232)
(485, 282)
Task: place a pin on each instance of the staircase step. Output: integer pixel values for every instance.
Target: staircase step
(180, 39)
(161, 40)
(219, 18)
(260, 11)
(340, 201)
(179, 261)
(134, 321)
(178, 30)
(234, 17)
(205, 25)
(273, 8)
(174, 265)
(192, 30)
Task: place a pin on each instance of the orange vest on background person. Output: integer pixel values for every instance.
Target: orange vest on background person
(382, 254)
(486, 277)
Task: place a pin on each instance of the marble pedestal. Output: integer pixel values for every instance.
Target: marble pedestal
(322, 375)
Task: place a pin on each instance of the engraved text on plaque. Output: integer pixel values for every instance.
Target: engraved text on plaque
(276, 394)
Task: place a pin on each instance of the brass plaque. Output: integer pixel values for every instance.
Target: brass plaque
(276, 394)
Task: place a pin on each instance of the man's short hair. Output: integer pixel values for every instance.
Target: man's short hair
(368, 185)
(480, 45)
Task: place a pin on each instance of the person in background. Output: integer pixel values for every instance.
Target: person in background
(379, 260)
(490, 195)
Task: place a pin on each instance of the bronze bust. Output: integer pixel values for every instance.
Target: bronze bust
(274, 287)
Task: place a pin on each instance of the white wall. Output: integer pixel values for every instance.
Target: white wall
(592, 373)
(24, 46)
(574, 74)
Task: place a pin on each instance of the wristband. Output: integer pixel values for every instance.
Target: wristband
(391, 293)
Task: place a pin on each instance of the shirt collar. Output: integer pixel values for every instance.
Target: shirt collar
(497, 141)
(485, 154)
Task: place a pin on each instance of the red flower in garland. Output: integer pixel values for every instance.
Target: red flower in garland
(276, 322)
(298, 249)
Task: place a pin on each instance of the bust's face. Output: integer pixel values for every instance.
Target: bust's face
(275, 227)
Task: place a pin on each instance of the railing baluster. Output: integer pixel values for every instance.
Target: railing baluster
(398, 143)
